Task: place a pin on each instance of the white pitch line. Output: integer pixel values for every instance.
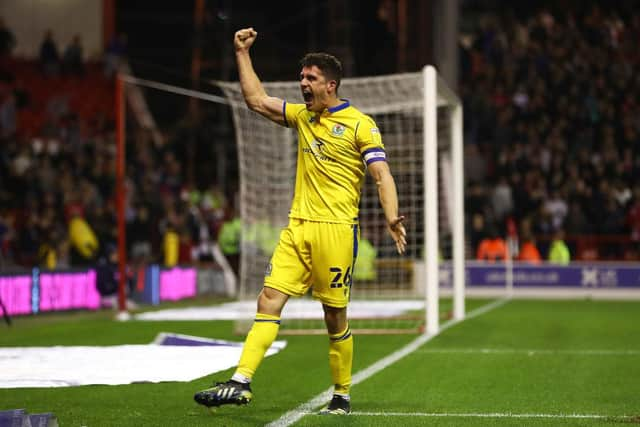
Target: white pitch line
(529, 352)
(488, 415)
(294, 415)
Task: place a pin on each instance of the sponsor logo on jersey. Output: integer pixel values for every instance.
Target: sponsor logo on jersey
(316, 148)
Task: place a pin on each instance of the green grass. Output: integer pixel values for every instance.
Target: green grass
(537, 364)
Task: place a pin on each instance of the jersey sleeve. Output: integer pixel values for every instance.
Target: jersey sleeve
(290, 113)
(369, 141)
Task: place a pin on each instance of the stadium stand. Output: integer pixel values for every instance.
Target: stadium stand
(57, 163)
(552, 129)
(552, 138)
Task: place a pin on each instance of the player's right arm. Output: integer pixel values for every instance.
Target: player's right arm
(252, 90)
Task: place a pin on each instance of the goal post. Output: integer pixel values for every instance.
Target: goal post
(420, 119)
(438, 95)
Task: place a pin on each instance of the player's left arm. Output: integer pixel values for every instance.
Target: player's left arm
(369, 142)
(388, 196)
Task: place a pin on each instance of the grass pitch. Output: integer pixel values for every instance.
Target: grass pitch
(525, 363)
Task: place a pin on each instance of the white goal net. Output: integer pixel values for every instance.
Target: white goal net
(389, 292)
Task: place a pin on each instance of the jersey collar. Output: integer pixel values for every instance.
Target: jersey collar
(339, 107)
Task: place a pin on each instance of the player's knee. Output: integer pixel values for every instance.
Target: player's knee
(271, 301)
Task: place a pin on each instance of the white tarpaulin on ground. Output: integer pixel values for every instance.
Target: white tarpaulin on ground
(121, 364)
(295, 309)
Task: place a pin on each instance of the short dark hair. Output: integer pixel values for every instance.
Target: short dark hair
(330, 66)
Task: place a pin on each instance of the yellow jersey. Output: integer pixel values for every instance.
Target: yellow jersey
(334, 148)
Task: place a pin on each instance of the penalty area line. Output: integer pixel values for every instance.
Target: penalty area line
(308, 407)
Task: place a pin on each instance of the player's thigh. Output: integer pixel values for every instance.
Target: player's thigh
(289, 268)
(332, 256)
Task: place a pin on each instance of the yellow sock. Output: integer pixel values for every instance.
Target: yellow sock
(340, 360)
(259, 339)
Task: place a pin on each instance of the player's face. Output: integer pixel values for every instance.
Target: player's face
(316, 90)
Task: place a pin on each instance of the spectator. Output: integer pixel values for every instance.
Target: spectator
(558, 251)
(7, 236)
(8, 113)
(185, 248)
(557, 209)
(529, 251)
(502, 199)
(633, 216)
(29, 237)
(476, 198)
(107, 274)
(475, 164)
(103, 222)
(229, 241)
(7, 40)
(62, 252)
(139, 232)
(48, 256)
(493, 247)
(49, 56)
(116, 51)
(477, 230)
(365, 266)
(72, 58)
(171, 247)
(576, 222)
(614, 217)
(512, 238)
(84, 242)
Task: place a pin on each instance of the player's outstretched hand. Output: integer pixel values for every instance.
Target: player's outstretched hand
(244, 38)
(398, 233)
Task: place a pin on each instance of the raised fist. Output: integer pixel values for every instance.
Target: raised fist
(244, 38)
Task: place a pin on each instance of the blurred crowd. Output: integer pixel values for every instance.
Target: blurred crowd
(57, 174)
(552, 124)
(552, 150)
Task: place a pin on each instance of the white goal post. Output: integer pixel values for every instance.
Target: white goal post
(437, 94)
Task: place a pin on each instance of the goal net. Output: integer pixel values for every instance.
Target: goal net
(420, 120)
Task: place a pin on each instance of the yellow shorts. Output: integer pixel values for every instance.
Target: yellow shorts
(318, 255)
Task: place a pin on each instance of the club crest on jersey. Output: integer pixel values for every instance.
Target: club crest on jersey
(338, 129)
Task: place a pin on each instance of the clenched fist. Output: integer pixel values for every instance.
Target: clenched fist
(244, 38)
